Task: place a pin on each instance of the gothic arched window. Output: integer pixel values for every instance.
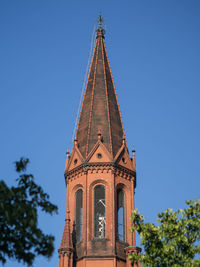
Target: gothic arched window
(99, 212)
(120, 215)
(79, 214)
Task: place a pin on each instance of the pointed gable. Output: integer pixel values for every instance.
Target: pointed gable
(99, 153)
(75, 159)
(100, 109)
(124, 160)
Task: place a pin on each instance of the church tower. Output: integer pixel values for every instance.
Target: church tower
(100, 177)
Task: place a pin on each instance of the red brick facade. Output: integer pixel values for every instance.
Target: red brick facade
(94, 233)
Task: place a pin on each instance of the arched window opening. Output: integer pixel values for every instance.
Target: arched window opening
(79, 215)
(99, 212)
(120, 215)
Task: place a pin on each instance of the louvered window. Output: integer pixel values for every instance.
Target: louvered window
(99, 212)
(120, 215)
(79, 214)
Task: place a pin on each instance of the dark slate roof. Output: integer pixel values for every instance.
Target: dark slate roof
(100, 109)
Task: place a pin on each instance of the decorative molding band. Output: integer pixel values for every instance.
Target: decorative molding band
(100, 167)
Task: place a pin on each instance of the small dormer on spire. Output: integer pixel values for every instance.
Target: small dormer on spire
(100, 31)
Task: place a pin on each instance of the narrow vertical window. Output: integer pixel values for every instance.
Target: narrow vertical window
(120, 215)
(79, 214)
(99, 212)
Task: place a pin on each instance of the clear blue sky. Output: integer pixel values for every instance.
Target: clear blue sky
(154, 52)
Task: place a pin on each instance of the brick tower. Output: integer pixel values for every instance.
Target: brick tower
(100, 177)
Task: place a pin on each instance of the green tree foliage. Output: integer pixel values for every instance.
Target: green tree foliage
(20, 236)
(173, 241)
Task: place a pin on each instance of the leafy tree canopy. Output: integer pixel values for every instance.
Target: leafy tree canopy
(20, 236)
(173, 241)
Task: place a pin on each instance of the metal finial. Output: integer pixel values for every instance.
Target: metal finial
(100, 29)
(100, 21)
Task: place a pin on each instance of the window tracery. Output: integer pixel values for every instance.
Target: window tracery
(99, 212)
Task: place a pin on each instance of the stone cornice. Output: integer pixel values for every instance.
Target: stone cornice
(101, 167)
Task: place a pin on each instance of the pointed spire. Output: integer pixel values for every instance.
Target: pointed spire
(67, 160)
(66, 242)
(99, 134)
(134, 161)
(100, 108)
(67, 153)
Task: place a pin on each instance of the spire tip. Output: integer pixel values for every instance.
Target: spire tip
(100, 29)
